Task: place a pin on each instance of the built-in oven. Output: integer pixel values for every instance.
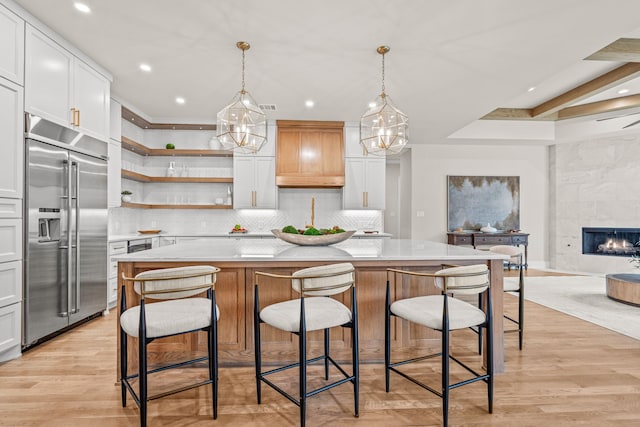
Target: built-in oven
(138, 245)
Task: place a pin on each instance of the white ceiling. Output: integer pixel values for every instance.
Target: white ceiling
(451, 62)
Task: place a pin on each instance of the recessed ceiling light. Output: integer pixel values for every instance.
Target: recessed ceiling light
(622, 91)
(82, 7)
(180, 100)
(309, 103)
(531, 89)
(145, 67)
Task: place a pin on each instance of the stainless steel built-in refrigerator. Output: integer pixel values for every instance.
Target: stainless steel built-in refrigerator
(65, 229)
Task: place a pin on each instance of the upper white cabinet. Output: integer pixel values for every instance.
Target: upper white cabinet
(364, 186)
(63, 89)
(254, 182)
(352, 147)
(11, 140)
(11, 46)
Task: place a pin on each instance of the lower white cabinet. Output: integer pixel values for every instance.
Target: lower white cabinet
(10, 283)
(10, 332)
(254, 182)
(364, 186)
(10, 239)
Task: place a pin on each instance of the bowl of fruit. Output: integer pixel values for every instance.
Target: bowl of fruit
(312, 236)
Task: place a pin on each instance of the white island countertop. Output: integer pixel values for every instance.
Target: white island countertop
(243, 250)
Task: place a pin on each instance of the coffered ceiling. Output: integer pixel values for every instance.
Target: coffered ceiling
(451, 63)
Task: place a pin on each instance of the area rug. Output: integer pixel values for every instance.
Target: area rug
(584, 297)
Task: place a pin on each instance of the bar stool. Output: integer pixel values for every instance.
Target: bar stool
(444, 313)
(516, 258)
(180, 312)
(314, 310)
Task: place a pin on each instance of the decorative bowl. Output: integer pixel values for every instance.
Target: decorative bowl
(304, 240)
(149, 231)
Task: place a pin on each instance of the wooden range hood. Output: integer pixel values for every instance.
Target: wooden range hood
(310, 154)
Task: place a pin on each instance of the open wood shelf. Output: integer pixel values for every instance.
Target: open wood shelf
(166, 206)
(136, 147)
(135, 176)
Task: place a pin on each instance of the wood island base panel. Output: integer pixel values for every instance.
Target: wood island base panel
(240, 259)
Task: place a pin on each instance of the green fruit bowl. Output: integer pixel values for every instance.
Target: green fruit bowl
(304, 240)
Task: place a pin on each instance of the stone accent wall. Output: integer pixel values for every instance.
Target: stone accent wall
(594, 183)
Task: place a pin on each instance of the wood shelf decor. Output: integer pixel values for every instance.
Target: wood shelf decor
(136, 147)
(168, 206)
(135, 176)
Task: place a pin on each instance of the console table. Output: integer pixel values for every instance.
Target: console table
(476, 239)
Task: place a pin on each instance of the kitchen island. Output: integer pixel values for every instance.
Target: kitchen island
(239, 259)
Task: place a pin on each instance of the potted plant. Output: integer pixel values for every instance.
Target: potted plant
(126, 195)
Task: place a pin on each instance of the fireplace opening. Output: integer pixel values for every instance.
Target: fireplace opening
(611, 241)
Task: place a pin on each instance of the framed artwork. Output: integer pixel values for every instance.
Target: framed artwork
(477, 201)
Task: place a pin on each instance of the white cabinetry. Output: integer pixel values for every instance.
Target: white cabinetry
(254, 176)
(254, 182)
(11, 46)
(11, 140)
(63, 89)
(115, 155)
(364, 186)
(11, 181)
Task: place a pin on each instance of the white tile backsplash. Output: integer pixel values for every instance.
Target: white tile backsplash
(295, 209)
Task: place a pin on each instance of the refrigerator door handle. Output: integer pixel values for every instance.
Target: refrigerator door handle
(76, 307)
(69, 207)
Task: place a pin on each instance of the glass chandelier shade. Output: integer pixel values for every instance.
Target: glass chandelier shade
(384, 129)
(241, 125)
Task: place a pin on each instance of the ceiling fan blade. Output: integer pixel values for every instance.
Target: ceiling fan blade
(616, 117)
(631, 124)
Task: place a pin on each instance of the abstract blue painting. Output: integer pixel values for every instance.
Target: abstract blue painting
(478, 201)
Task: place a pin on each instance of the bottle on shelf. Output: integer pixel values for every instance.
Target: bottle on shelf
(171, 170)
(229, 198)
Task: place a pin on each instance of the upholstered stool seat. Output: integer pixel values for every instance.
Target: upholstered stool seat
(169, 317)
(321, 313)
(427, 311)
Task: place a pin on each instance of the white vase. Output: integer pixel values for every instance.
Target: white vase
(126, 198)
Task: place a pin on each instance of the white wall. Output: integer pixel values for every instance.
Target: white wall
(432, 163)
(596, 183)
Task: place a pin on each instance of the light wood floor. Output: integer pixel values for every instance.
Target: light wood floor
(570, 373)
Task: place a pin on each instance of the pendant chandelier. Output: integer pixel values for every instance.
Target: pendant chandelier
(383, 128)
(241, 125)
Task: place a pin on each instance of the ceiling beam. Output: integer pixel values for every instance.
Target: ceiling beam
(621, 50)
(592, 87)
(515, 114)
(605, 106)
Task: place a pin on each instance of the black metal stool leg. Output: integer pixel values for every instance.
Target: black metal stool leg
(326, 354)
(123, 366)
(302, 342)
(445, 363)
(256, 345)
(387, 339)
(355, 352)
